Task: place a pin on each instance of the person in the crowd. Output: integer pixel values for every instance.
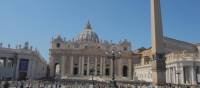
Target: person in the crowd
(59, 86)
(22, 85)
(0, 84)
(30, 84)
(6, 85)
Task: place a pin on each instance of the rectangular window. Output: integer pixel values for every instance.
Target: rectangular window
(3, 62)
(98, 73)
(10, 62)
(23, 65)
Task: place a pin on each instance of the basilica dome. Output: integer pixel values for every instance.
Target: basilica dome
(88, 35)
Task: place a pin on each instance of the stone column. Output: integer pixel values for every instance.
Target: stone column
(29, 72)
(17, 68)
(193, 75)
(120, 67)
(88, 66)
(83, 65)
(179, 73)
(129, 68)
(167, 75)
(182, 75)
(79, 65)
(101, 66)
(62, 66)
(175, 77)
(33, 68)
(72, 65)
(51, 66)
(95, 66)
(111, 68)
(172, 75)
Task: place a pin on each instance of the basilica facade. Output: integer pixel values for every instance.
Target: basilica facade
(85, 55)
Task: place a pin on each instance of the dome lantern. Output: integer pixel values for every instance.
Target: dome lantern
(88, 26)
(88, 35)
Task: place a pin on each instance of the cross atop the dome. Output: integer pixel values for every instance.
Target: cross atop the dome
(88, 26)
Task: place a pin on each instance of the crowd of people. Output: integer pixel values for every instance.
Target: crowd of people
(29, 84)
(61, 84)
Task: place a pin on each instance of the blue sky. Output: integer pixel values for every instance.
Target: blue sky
(37, 21)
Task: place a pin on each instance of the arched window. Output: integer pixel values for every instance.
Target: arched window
(125, 48)
(125, 71)
(58, 45)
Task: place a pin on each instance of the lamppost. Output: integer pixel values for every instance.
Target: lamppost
(92, 73)
(92, 70)
(113, 55)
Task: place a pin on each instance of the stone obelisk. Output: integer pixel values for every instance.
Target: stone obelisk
(158, 63)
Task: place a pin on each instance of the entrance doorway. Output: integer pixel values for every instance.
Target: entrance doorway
(125, 71)
(75, 71)
(57, 69)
